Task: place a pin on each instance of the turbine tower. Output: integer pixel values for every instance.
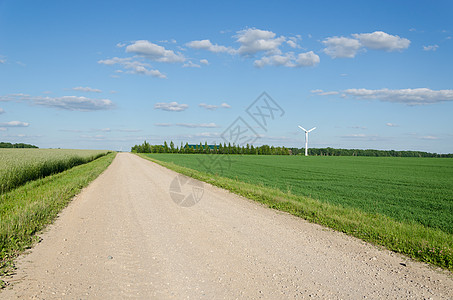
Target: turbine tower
(306, 138)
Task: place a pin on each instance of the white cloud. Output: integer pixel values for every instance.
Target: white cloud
(380, 40)
(128, 130)
(2, 111)
(172, 41)
(363, 137)
(199, 135)
(323, 93)
(358, 127)
(133, 66)
(208, 106)
(204, 62)
(121, 45)
(418, 96)
(22, 136)
(339, 47)
(14, 124)
(430, 48)
(86, 89)
(275, 60)
(98, 137)
(73, 103)
(429, 137)
(154, 52)
(357, 135)
(207, 45)
(190, 64)
(292, 44)
(392, 124)
(188, 125)
(2, 61)
(292, 41)
(70, 130)
(214, 107)
(307, 59)
(254, 40)
(202, 125)
(2, 129)
(171, 106)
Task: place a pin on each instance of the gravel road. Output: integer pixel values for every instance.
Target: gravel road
(127, 236)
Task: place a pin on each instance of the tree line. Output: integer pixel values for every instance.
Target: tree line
(366, 152)
(18, 145)
(271, 150)
(210, 149)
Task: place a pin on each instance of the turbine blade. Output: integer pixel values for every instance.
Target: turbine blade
(312, 129)
(302, 128)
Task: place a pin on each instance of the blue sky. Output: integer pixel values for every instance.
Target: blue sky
(108, 75)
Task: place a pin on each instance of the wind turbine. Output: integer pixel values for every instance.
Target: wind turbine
(306, 138)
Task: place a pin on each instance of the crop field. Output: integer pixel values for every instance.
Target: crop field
(416, 193)
(18, 166)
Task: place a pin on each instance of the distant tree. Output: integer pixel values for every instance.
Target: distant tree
(18, 145)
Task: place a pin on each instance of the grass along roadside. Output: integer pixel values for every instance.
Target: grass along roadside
(26, 210)
(419, 242)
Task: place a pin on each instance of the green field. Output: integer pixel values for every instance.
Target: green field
(18, 166)
(415, 193)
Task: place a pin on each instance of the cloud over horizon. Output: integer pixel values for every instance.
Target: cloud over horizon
(73, 103)
(418, 96)
(188, 125)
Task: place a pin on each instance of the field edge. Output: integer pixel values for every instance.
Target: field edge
(36, 204)
(421, 243)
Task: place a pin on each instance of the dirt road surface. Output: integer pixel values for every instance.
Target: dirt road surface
(125, 237)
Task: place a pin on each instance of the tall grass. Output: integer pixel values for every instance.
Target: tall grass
(19, 166)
